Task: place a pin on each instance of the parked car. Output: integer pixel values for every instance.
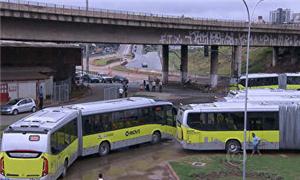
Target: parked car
(120, 79)
(94, 79)
(105, 78)
(18, 105)
(86, 78)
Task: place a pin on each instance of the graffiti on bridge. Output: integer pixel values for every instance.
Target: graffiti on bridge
(229, 38)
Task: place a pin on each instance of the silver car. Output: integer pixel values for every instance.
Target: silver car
(18, 105)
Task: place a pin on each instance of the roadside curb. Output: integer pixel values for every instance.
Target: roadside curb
(171, 171)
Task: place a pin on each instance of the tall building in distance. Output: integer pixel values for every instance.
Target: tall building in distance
(296, 18)
(280, 16)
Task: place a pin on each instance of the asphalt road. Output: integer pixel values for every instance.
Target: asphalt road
(151, 59)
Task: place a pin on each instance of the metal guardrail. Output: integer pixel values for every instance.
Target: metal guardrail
(95, 12)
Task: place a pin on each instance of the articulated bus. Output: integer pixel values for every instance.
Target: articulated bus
(219, 126)
(272, 80)
(44, 144)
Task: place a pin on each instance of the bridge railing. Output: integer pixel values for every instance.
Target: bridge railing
(96, 12)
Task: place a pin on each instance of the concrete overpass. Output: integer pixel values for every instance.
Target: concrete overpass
(31, 21)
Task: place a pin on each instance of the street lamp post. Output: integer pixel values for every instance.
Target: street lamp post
(87, 5)
(246, 85)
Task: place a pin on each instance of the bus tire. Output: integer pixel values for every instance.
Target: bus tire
(104, 148)
(233, 146)
(64, 173)
(156, 137)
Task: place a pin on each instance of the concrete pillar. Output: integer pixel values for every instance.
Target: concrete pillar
(275, 56)
(236, 63)
(87, 57)
(214, 66)
(293, 55)
(165, 64)
(184, 63)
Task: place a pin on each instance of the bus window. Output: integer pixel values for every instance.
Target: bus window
(159, 114)
(106, 121)
(118, 121)
(236, 121)
(170, 117)
(216, 121)
(97, 124)
(293, 80)
(58, 141)
(145, 116)
(71, 130)
(87, 123)
(255, 120)
(271, 121)
(54, 148)
(194, 121)
(222, 121)
(131, 118)
(265, 81)
(210, 125)
(75, 129)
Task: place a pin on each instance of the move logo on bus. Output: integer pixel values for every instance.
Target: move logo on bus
(133, 132)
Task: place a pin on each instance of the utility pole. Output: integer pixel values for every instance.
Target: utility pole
(246, 85)
(87, 5)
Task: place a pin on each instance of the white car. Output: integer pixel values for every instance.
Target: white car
(18, 105)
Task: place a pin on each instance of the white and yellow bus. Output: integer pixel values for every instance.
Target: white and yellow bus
(219, 126)
(44, 144)
(269, 80)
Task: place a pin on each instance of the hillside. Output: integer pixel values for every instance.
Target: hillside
(260, 61)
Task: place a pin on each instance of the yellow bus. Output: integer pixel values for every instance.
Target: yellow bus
(44, 144)
(219, 126)
(269, 80)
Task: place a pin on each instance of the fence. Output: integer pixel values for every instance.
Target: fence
(110, 93)
(61, 91)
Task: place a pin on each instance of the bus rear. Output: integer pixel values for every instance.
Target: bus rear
(24, 155)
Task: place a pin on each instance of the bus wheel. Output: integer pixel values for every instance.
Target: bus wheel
(233, 146)
(104, 148)
(64, 173)
(156, 137)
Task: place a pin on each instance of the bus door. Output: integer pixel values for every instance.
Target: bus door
(255, 125)
(55, 151)
(170, 123)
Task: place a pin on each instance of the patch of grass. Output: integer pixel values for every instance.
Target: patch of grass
(285, 166)
(105, 61)
(258, 167)
(186, 171)
(100, 62)
(200, 65)
(260, 59)
(120, 68)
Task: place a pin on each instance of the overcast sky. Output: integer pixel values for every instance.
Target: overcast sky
(220, 9)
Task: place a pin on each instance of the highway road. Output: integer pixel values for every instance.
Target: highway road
(151, 59)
